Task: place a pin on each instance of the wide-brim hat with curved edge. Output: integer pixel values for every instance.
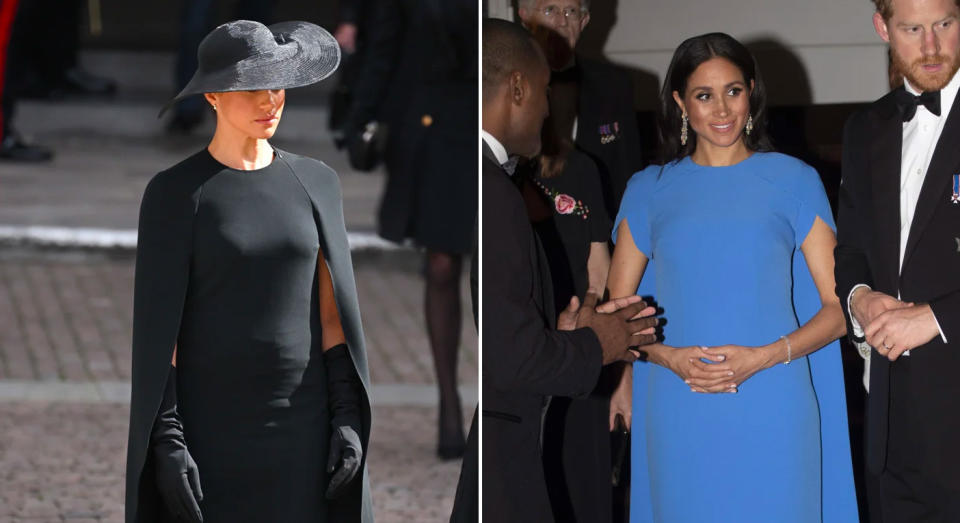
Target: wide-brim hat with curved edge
(248, 56)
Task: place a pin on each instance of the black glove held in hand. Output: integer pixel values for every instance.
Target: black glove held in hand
(343, 388)
(177, 476)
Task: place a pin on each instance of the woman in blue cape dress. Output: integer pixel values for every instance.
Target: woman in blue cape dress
(740, 414)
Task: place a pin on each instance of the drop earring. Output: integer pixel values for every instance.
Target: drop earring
(749, 128)
(683, 129)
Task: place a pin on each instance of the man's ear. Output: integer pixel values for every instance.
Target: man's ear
(679, 100)
(524, 15)
(880, 26)
(584, 20)
(518, 88)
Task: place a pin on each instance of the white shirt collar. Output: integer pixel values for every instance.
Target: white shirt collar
(499, 151)
(947, 95)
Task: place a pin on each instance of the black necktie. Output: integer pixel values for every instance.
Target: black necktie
(908, 103)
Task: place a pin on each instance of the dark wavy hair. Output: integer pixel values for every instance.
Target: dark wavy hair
(691, 53)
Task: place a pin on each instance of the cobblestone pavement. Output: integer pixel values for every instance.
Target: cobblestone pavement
(64, 462)
(68, 317)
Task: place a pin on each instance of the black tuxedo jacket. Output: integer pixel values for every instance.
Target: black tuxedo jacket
(525, 360)
(868, 251)
(607, 126)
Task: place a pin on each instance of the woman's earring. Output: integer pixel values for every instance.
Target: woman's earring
(683, 129)
(749, 128)
(214, 107)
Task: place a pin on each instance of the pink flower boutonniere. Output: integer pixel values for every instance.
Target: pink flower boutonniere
(564, 203)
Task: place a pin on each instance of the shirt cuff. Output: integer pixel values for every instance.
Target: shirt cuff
(857, 329)
(942, 335)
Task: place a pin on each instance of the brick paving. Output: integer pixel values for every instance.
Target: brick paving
(69, 318)
(64, 462)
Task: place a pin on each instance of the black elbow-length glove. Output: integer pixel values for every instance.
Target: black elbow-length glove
(344, 389)
(178, 479)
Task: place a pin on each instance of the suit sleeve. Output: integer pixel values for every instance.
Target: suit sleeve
(521, 353)
(852, 267)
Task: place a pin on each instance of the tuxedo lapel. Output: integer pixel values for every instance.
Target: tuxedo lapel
(945, 163)
(488, 152)
(885, 168)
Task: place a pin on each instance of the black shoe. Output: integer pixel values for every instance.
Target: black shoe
(451, 443)
(12, 148)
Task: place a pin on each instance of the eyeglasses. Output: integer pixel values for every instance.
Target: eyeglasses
(570, 13)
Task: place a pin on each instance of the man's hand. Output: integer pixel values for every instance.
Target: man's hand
(618, 331)
(567, 320)
(898, 330)
(866, 305)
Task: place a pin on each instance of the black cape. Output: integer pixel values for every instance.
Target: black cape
(165, 234)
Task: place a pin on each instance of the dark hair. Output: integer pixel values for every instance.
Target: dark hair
(691, 53)
(507, 47)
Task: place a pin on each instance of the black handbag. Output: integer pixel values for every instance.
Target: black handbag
(366, 147)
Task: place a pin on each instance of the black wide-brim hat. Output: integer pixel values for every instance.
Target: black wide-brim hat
(248, 56)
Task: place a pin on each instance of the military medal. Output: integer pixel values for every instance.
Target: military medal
(956, 189)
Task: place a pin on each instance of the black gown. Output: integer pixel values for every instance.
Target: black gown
(251, 383)
(576, 442)
(250, 377)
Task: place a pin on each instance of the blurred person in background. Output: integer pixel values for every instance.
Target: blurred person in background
(197, 18)
(48, 46)
(249, 384)
(350, 34)
(419, 77)
(605, 124)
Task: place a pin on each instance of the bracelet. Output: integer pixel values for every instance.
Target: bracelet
(789, 349)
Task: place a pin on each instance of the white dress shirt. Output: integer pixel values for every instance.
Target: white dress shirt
(499, 151)
(920, 136)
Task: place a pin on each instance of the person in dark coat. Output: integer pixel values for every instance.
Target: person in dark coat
(898, 226)
(244, 283)
(15, 44)
(606, 122)
(419, 77)
(530, 353)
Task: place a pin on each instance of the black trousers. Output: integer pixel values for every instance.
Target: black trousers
(906, 492)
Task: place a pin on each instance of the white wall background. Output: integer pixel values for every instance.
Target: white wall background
(810, 51)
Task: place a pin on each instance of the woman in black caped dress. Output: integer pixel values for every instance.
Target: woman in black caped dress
(564, 199)
(244, 282)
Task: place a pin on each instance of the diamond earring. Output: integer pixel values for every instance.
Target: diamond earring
(749, 128)
(683, 129)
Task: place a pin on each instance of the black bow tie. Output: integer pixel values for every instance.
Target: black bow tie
(908, 103)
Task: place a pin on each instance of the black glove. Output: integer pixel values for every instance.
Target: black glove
(176, 473)
(343, 386)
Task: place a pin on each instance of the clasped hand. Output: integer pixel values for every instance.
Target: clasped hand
(891, 326)
(619, 324)
(732, 365)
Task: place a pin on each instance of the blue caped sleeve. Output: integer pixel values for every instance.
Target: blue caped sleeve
(635, 209)
(808, 189)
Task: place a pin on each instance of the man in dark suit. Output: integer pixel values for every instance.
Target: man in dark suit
(529, 354)
(606, 122)
(897, 258)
